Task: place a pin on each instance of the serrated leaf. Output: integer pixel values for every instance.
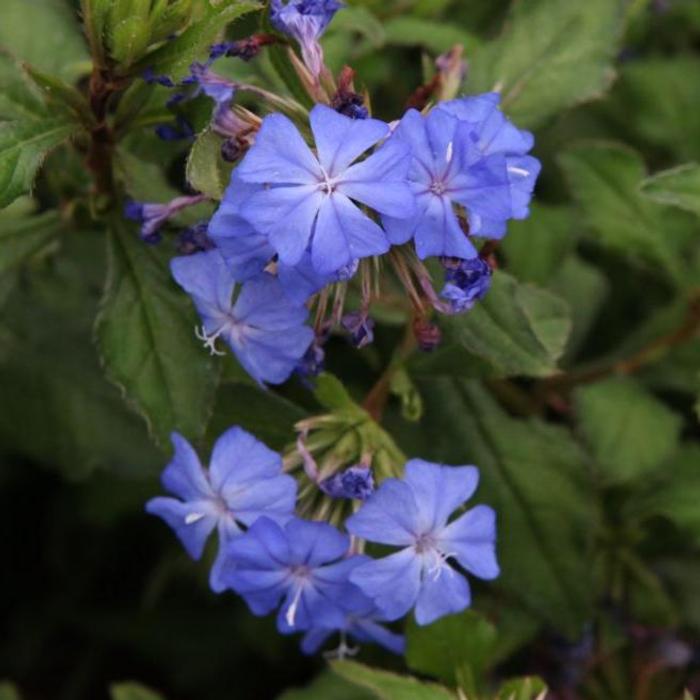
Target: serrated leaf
(389, 686)
(456, 649)
(678, 187)
(18, 98)
(520, 329)
(145, 333)
(604, 178)
(46, 34)
(23, 146)
(21, 237)
(551, 55)
(536, 477)
(175, 57)
(207, 172)
(630, 432)
(132, 691)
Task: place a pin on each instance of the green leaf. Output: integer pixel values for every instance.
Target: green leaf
(332, 394)
(326, 687)
(389, 686)
(530, 688)
(18, 98)
(132, 691)
(456, 649)
(536, 478)
(435, 36)
(678, 187)
(677, 496)
(270, 417)
(56, 401)
(360, 21)
(661, 97)
(23, 147)
(46, 34)
(551, 55)
(22, 237)
(630, 432)
(604, 178)
(520, 329)
(536, 247)
(175, 57)
(8, 691)
(585, 289)
(207, 172)
(145, 333)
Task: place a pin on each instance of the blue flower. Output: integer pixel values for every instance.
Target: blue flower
(466, 281)
(303, 565)
(354, 482)
(305, 201)
(305, 21)
(412, 513)
(265, 331)
(448, 169)
(361, 624)
(152, 216)
(244, 481)
(493, 134)
(360, 326)
(213, 85)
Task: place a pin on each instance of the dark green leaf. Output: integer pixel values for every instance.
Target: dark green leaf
(46, 34)
(551, 55)
(175, 57)
(678, 187)
(436, 36)
(23, 146)
(328, 686)
(22, 237)
(389, 686)
(536, 247)
(530, 688)
(605, 178)
(8, 691)
(628, 430)
(520, 329)
(145, 332)
(456, 649)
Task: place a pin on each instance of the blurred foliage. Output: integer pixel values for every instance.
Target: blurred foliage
(574, 386)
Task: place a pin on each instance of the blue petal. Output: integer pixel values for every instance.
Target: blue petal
(184, 475)
(442, 133)
(392, 583)
(370, 631)
(301, 281)
(412, 130)
(263, 304)
(439, 490)
(274, 498)
(263, 547)
(380, 181)
(388, 516)
(239, 458)
(206, 278)
(439, 234)
(471, 539)
(340, 139)
(522, 175)
(344, 233)
(313, 609)
(246, 256)
(314, 639)
(279, 156)
(286, 215)
(315, 543)
(192, 522)
(222, 566)
(441, 594)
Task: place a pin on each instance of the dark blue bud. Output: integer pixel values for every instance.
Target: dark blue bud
(134, 211)
(355, 483)
(466, 281)
(360, 326)
(311, 365)
(195, 240)
(151, 78)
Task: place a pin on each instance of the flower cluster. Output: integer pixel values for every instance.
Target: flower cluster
(313, 575)
(329, 199)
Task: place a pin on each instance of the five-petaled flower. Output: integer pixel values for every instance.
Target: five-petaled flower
(412, 513)
(263, 328)
(303, 565)
(306, 200)
(244, 481)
